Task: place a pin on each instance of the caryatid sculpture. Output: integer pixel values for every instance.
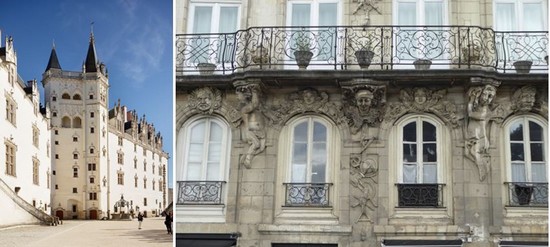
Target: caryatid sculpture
(479, 115)
(253, 121)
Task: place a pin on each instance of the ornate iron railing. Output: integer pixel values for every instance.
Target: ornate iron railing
(307, 194)
(420, 195)
(527, 194)
(200, 192)
(346, 47)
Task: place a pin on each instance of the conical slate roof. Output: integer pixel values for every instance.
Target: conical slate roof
(91, 61)
(53, 63)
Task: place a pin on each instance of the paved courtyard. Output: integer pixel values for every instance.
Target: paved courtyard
(88, 233)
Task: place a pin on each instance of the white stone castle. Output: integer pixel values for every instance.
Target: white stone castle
(74, 158)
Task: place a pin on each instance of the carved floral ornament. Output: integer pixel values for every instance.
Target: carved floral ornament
(421, 99)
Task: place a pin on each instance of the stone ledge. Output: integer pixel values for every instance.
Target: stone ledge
(520, 231)
(416, 230)
(305, 229)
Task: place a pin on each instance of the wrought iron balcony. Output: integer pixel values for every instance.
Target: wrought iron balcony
(525, 194)
(200, 192)
(307, 194)
(420, 195)
(352, 47)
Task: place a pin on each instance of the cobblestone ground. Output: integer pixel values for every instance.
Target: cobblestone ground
(88, 233)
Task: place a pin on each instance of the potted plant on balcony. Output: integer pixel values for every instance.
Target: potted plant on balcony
(364, 56)
(303, 52)
(523, 66)
(206, 68)
(422, 64)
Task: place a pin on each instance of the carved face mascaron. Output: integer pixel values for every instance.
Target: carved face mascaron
(364, 99)
(204, 100)
(487, 95)
(420, 96)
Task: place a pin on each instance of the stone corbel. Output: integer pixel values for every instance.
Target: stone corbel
(365, 102)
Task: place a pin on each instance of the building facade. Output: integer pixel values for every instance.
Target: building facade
(361, 123)
(25, 132)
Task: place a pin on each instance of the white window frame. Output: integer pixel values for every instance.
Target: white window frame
(443, 214)
(203, 213)
(314, 21)
(525, 121)
(420, 21)
(310, 123)
(320, 215)
(518, 10)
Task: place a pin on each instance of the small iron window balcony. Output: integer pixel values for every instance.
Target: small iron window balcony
(307, 194)
(200, 192)
(526, 194)
(420, 195)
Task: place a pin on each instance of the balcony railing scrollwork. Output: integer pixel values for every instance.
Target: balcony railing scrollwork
(420, 195)
(336, 47)
(307, 194)
(200, 192)
(526, 194)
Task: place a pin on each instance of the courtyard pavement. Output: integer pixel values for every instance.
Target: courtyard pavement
(88, 233)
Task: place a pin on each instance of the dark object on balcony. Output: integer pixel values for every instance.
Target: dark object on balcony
(206, 68)
(364, 58)
(303, 58)
(418, 195)
(523, 194)
(422, 64)
(260, 55)
(523, 66)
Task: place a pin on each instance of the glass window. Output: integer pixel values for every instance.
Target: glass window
(527, 151)
(419, 152)
(309, 152)
(520, 15)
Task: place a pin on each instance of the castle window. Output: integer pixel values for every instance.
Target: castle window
(35, 136)
(77, 97)
(66, 122)
(11, 108)
(10, 158)
(65, 96)
(35, 171)
(75, 172)
(91, 114)
(77, 122)
(120, 177)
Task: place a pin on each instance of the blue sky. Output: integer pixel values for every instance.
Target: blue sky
(132, 37)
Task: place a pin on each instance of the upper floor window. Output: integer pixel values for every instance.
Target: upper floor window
(77, 122)
(77, 97)
(66, 122)
(65, 96)
(11, 109)
(35, 136)
(526, 154)
(205, 17)
(520, 15)
(35, 171)
(10, 158)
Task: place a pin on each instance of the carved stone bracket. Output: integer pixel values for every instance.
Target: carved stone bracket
(421, 99)
(249, 94)
(364, 179)
(365, 102)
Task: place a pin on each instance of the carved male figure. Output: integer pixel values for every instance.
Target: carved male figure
(253, 121)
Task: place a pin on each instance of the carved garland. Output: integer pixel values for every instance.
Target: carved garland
(206, 101)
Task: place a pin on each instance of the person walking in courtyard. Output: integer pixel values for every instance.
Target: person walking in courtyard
(168, 222)
(140, 220)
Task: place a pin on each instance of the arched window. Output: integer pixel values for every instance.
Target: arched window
(77, 122)
(77, 97)
(66, 122)
(65, 96)
(526, 152)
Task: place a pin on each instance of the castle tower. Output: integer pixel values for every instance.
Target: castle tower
(79, 112)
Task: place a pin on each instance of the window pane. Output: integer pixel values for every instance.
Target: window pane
(319, 132)
(505, 17)
(517, 151)
(429, 153)
(434, 13)
(213, 171)
(516, 132)
(328, 15)
(532, 14)
(428, 132)
(535, 131)
(197, 133)
(409, 152)
(518, 172)
(299, 153)
(215, 132)
(202, 19)
(298, 173)
(193, 171)
(409, 173)
(301, 14)
(195, 152)
(409, 132)
(300, 132)
(538, 171)
(430, 174)
(319, 162)
(228, 19)
(537, 153)
(406, 13)
(214, 152)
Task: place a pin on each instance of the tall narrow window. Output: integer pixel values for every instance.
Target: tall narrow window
(527, 151)
(204, 151)
(35, 171)
(214, 18)
(120, 178)
(10, 158)
(11, 109)
(35, 136)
